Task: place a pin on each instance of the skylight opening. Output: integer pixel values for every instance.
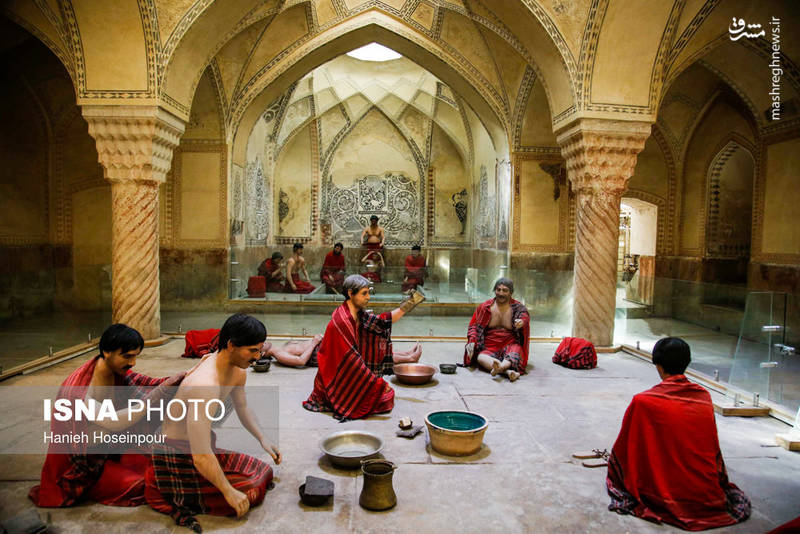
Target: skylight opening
(374, 52)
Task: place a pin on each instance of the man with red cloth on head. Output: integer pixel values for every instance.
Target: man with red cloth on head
(499, 334)
(355, 351)
(666, 464)
(415, 269)
(332, 273)
(295, 265)
(70, 474)
(270, 269)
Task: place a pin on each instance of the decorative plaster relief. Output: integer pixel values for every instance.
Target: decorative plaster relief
(486, 225)
(258, 202)
(503, 198)
(392, 197)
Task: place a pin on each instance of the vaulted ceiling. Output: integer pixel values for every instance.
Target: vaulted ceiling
(589, 58)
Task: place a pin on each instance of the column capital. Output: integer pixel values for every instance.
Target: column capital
(134, 143)
(600, 154)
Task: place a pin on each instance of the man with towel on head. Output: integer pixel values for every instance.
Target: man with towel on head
(354, 354)
(499, 333)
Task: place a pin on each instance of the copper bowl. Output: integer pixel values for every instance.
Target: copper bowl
(456, 432)
(414, 373)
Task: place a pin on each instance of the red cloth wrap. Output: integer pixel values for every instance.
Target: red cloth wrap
(373, 246)
(332, 272)
(175, 487)
(478, 331)
(575, 353)
(373, 277)
(666, 464)
(69, 478)
(414, 274)
(274, 284)
(302, 285)
(348, 381)
(256, 287)
(200, 342)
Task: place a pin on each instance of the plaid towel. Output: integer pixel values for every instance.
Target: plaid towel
(575, 353)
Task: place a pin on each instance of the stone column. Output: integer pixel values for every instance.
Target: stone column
(134, 145)
(600, 157)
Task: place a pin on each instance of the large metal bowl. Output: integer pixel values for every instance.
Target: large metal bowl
(348, 447)
(414, 373)
(455, 432)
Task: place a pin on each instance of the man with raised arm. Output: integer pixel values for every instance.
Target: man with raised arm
(296, 265)
(68, 479)
(666, 464)
(190, 475)
(498, 334)
(354, 354)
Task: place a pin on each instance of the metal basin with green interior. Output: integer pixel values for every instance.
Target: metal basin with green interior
(455, 432)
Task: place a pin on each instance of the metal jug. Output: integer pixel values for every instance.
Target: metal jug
(377, 493)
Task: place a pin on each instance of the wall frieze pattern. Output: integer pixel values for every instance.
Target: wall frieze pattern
(691, 29)
(524, 93)
(658, 71)
(591, 36)
(672, 202)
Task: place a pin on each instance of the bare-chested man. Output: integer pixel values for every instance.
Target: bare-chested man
(499, 334)
(296, 265)
(190, 475)
(373, 235)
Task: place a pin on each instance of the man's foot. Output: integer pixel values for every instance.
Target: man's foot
(512, 375)
(495, 368)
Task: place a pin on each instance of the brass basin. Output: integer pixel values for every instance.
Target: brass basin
(414, 373)
(348, 447)
(455, 432)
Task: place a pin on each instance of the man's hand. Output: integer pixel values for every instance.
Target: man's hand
(414, 299)
(272, 450)
(238, 501)
(470, 348)
(518, 324)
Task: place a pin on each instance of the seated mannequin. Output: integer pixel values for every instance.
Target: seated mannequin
(373, 265)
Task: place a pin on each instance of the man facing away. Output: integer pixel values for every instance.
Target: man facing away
(70, 478)
(295, 265)
(333, 269)
(666, 464)
(373, 235)
(415, 269)
(499, 333)
(354, 354)
(190, 475)
(272, 271)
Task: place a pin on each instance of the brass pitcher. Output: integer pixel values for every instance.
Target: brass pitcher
(377, 493)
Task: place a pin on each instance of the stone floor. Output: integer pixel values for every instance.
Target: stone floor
(30, 338)
(523, 479)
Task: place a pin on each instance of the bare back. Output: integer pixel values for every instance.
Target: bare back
(204, 383)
